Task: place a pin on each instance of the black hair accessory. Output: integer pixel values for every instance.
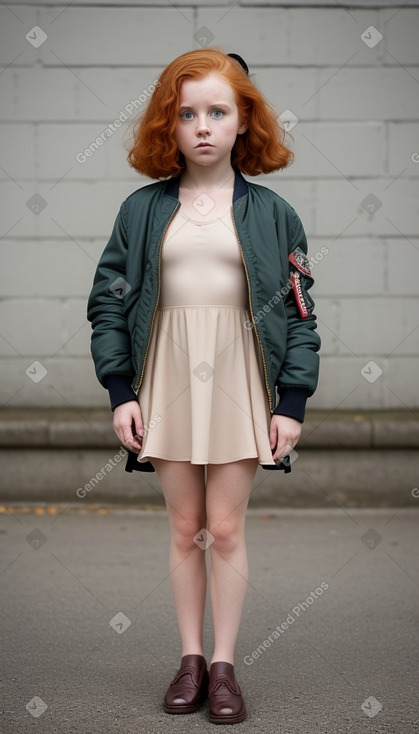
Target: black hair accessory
(241, 62)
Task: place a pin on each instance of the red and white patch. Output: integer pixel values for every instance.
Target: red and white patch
(298, 293)
(300, 261)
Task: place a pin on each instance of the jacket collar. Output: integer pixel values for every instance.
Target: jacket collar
(240, 186)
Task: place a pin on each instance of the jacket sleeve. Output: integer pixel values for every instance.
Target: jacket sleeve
(110, 340)
(299, 372)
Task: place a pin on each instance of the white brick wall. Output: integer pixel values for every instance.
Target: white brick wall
(358, 111)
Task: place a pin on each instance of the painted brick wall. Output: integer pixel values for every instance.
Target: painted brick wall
(354, 181)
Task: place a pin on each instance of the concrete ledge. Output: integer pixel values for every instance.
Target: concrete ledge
(373, 429)
(93, 428)
(344, 460)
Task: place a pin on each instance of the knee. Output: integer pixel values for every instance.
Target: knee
(183, 531)
(228, 535)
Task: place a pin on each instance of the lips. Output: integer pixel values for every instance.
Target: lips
(204, 145)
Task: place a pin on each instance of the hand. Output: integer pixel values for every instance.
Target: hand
(283, 436)
(125, 417)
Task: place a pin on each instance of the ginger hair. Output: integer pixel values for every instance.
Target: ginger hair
(260, 149)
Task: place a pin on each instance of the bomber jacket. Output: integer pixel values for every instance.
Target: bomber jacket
(124, 297)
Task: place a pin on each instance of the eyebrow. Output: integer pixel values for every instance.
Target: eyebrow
(215, 104)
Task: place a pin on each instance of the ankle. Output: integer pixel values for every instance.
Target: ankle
(193, 651)
(224, 659)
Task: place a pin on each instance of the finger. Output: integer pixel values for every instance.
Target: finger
(138, 427)
(129, 439)
(139, 431)
(139, 424)
(119, 433)
(124, 431)
(137, 442)
(282, 450)
(273, 436)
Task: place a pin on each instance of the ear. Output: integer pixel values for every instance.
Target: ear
(242, 129)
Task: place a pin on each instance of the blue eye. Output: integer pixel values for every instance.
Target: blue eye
(216, 113)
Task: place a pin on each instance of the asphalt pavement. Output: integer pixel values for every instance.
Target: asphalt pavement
(328, 642)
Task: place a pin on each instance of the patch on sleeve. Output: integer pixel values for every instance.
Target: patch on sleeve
(300, 260)
(298, 293)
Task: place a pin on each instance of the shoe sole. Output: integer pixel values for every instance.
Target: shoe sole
(225, 719)
(179, 710)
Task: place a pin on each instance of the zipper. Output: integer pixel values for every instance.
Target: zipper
(251, 311)
(138, 385)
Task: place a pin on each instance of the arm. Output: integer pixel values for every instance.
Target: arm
(298, 377)
(111, 342)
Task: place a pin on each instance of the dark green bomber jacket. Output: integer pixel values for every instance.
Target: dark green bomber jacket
(124, 297)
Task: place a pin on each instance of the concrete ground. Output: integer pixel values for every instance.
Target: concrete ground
(90, 640)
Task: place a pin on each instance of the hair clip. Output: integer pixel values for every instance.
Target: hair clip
(241, 62)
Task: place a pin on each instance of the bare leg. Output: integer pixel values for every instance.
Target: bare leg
(183, 486)
(227, 494)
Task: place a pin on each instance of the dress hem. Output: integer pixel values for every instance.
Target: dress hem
(224, 461)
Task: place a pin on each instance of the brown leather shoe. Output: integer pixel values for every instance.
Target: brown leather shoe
(189, 688)
(226, 703)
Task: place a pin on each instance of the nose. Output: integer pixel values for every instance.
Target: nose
(202, 124)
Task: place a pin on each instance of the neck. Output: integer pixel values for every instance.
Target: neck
(219, 176)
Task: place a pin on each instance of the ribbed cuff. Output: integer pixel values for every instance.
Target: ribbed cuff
(292, 402)
(120, 390)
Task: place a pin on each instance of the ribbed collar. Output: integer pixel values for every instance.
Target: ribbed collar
(240, 186)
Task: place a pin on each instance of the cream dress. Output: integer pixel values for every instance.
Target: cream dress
(203, 397)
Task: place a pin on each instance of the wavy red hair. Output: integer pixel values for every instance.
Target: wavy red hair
(260, 149)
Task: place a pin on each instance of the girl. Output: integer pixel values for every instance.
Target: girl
(200, 309)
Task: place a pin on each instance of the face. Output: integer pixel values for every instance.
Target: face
(207, 114)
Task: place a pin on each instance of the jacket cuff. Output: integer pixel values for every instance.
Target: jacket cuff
(292, 402)
(120, 390)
